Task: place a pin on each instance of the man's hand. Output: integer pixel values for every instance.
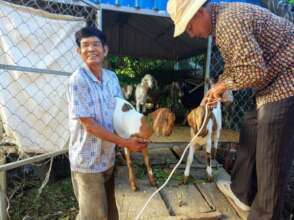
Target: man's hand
(135, 144)
(215, 94)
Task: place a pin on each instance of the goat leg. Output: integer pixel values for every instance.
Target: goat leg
(151, 177)
(189, 163)
(132, 178)
(208, 157)
(215, 144)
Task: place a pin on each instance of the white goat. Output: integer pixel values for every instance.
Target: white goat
(211, 131)
(148, 82)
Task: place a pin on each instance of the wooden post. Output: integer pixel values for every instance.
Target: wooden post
(3, 187)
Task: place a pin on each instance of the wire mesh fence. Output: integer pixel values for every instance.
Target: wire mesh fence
(281, 7)
(37, 54)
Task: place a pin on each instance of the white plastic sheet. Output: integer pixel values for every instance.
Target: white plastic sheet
(34, 106)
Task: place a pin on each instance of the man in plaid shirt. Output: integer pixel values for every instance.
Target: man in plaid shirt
(258, 50)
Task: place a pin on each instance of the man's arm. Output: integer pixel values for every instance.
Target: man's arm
(81, 108)
(133, 144)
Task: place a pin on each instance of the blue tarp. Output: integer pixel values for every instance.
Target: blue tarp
(157, 4)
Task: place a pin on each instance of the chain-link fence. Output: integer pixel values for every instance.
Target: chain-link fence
(37, 54)
(281, 8)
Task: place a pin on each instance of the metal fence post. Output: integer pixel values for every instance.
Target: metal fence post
(3, 187)
(208, 62)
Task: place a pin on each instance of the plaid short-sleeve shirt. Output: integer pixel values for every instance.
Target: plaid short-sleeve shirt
(258, 50)
(89, 97)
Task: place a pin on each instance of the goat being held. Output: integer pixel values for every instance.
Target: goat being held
(148, 83)
(128, 122)
(211, 131)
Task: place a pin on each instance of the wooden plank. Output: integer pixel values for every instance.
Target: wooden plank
(215, 197)
(129, 203)
(185, 199)
(201, 216)
(182, 134)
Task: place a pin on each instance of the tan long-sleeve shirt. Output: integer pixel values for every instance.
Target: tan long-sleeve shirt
(258, 50)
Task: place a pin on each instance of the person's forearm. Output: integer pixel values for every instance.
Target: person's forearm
(98, 131)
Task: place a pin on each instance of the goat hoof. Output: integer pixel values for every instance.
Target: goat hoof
(210, 179)
(133, 187)
(152, 181)
(185, 179)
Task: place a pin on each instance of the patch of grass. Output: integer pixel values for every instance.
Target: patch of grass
(291, 2)
(140, 171)
(57, 201)
(162, 174)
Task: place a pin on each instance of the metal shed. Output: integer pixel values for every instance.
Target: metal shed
(142, 28)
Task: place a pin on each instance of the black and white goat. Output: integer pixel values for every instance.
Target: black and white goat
(210, 132)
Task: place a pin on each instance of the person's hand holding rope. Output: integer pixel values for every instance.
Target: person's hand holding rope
(215, 94)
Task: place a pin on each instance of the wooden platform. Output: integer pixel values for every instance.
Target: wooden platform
(182, 134)
(196, 200)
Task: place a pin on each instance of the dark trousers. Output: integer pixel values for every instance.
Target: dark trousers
(260, 173)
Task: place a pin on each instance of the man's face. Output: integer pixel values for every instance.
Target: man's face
(92, 51)
(200, 25)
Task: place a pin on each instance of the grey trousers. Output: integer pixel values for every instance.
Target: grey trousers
(95, 195)
(260, 173)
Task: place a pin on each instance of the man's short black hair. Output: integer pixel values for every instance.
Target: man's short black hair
(90, 32)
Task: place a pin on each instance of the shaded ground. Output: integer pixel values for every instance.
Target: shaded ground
(57, 201)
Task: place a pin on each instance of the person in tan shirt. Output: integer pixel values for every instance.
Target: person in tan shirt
(258, 51)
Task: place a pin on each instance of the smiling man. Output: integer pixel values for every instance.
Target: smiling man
(91, 94)
(258, 50)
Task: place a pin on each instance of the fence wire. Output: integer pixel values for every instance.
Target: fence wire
(281, 8)
(37, 54)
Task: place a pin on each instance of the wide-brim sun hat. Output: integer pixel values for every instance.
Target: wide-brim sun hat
(181, 12)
